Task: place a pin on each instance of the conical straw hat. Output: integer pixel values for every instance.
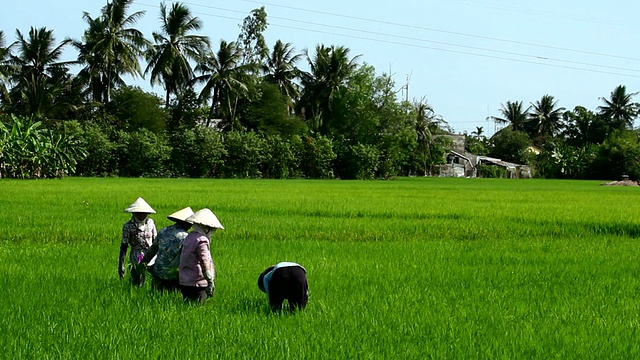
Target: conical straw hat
(140, 206)
(181, 215)
(205, 217)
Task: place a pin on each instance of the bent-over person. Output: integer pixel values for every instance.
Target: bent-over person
(285, 280)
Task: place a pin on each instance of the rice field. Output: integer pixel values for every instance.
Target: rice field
(415, 268)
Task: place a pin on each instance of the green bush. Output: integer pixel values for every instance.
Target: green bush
(143, 153)
(510, 145)
(618, 155)
(356, 161)
(317, 157)
(101, 157)
(244, 154)
(281, 158)
(197, 153)
(30, 151)
(134, 108)
(492, 171)
(395, 153)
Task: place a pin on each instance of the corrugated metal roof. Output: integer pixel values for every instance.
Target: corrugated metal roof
(498, 161)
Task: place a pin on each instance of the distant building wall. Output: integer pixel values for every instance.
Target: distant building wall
(459, 142)
(451, 170)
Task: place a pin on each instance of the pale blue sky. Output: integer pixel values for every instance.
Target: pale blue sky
(464, 57)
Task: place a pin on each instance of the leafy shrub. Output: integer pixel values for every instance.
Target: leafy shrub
(492, 171)
(395, 153)
(134, 109)
(617, 156)
(197, 153)
(244, 154)
(364, 160)
(143, 153)
(101, 157)
(281, 158)
(510, 145)
(317, 157)
(30, 151)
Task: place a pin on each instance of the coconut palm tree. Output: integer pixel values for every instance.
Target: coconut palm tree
(5, 68)
(583, 126)
(280, 69)
(110, 47)
(426, 126)
(92, 72)
(39, 72)
(330, 69)
(512, 113)
(225, 79)
(545, 119)
(168, 60)
(478, 133)
(620, 109)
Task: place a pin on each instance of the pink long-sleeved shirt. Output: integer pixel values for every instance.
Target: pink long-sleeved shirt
(195, 259)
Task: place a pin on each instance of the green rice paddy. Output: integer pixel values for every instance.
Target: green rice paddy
(415, 268)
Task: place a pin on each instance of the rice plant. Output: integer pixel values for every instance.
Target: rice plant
(414, 268)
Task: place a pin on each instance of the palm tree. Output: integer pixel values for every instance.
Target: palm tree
(39, 73)
(426, 125)
(478, 133)
(619, 108)
(5, 68)
(545, 118)
(224, 79)
(280, 69)
(168, 60)
(110, 47)
(92, 72)
(584, 127)
(331, 68)
(512, 114)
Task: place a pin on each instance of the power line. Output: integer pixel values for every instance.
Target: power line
(441, 31)
(461, 52)
(426, 47)
(535, 11)
(460, 46)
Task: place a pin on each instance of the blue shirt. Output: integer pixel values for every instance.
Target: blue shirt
(169, 243)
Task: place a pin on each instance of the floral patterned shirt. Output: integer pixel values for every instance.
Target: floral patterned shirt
(166, 248)
(140, 239)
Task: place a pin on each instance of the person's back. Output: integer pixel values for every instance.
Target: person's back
(195, 253)
(170, 241)
(285, 281)
(166, 251)
(197, 271)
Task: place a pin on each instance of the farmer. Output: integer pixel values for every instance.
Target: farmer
(285, 280)
(197, 272)
(166, 249)
(139, 233)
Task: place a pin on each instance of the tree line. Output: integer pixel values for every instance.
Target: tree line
(244, 109)
(572, 144)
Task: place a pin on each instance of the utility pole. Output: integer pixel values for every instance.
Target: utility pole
(406, 86)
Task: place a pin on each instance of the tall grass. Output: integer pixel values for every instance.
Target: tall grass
(413, 268)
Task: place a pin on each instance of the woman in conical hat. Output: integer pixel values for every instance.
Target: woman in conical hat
(197, 271)
(139, 233)
(166, 249)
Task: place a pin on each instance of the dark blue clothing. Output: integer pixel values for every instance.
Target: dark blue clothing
(287, 281)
